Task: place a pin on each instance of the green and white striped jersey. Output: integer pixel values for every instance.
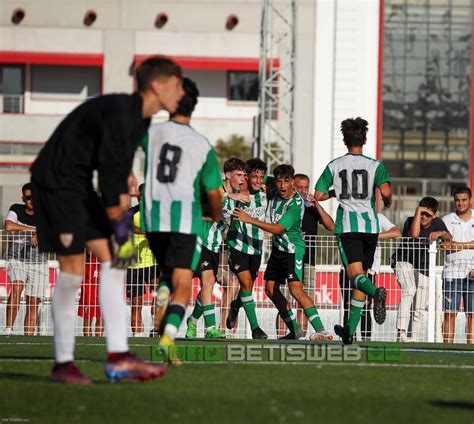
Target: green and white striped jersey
(213, 232)
(289, 213)
(248, 238)
(354, 179)
(180, 164)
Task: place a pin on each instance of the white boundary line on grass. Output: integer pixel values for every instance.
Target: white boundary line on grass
(364, 348)
(319, 364)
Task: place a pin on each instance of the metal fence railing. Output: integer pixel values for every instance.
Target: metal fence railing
(430, 292)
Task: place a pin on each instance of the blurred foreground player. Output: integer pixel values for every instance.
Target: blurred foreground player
(100, 135)
(181, 166)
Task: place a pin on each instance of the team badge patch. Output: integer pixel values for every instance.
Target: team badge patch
(66, 239)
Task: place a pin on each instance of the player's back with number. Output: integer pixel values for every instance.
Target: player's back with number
(354, 178)
(184, 159)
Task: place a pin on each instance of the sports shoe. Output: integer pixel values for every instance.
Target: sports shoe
(8, 331)
(191, 331)
(403, 338)
(321, 336)
(258, 333)
(214, 333)
(341, 332)
(132, 368)
(169, 344)
(232, 317)
(68, 373)
(379, 305)
(300, 334)
(162, 300)
(288, 336)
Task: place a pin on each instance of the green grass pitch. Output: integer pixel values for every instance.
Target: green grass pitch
(429, 384)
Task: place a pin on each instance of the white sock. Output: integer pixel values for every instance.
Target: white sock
(64, 315)
(114, 307)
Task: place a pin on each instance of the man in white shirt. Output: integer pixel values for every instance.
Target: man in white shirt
(458, 273)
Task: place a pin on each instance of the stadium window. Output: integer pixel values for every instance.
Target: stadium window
(242, 86)
(11, 88)
(65, 83)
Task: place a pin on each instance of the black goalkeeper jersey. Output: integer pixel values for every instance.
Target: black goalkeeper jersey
(100, 134)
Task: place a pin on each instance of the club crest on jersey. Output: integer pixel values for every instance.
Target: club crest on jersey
(66, 239)
(254, 212)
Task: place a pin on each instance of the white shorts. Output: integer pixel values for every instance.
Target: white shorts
(34, 275)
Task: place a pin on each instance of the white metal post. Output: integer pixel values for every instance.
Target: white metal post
(432, 291)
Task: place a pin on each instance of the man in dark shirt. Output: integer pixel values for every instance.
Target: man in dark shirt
(102, 135)
(26, 268)
(412, 261)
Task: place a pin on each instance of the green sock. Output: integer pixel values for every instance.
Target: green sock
(354, 315)
(313, 317)
(362, 282)
(174, 317)
(209, 315)
(290, 320)
(198, 309)
(246, 298)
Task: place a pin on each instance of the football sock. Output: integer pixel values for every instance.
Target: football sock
(198, 310)
(64, 315)
(362, 282)
(246, 297)
(209, 315)
(290, 320)
(354, 315)
(173, 319)
(114, 307)
(313, 317)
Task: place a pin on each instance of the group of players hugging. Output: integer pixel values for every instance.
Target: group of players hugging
(181, 169)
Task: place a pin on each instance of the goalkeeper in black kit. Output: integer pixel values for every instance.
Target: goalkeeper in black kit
(102, 135)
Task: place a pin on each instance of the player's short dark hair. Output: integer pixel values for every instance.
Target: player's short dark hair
(141, 188)
(234, 164)
(189, 101)
(301, 177)
(155, 67)
(354, 131)
(284, 171)
(255, 164)
(464, 190)
(430, 203)
(27, 186)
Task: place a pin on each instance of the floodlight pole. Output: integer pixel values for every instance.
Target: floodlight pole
(273, 130)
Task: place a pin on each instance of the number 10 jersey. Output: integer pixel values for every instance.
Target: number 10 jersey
(180, 165)
(354, 179)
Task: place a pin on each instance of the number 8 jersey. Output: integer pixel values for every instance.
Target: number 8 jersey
(354, 179)
(180, 165)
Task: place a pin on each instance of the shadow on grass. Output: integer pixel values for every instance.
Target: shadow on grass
(453, 404)
(16, 376)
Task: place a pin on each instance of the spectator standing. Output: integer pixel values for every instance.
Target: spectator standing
(26, 268)
(458, 281)
(144, 271)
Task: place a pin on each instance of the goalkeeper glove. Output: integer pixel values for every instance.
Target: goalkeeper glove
(123, 251)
